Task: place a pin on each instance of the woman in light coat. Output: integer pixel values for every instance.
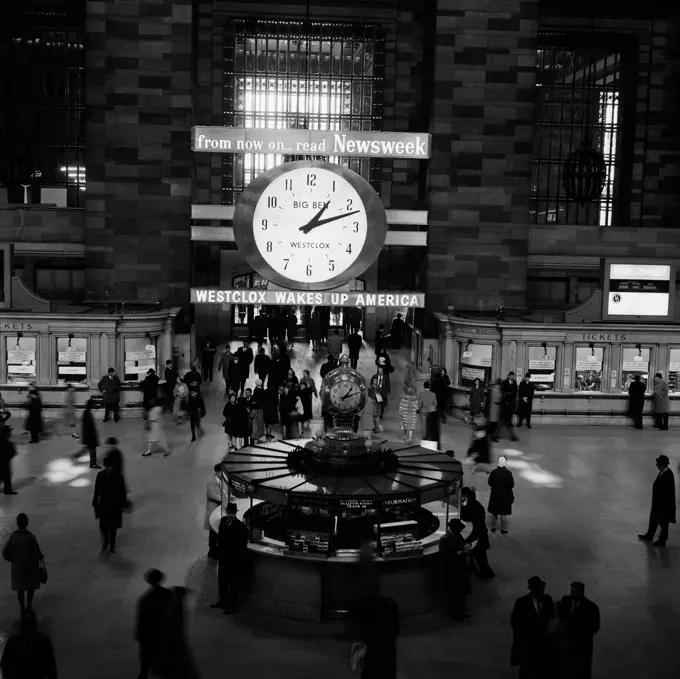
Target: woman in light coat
(23, 552)
(408, 413)
(181, 394)
(156, 437)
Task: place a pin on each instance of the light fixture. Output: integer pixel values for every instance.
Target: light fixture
(545, 349)
(467, 353)
(592, 356)
(638, 358)
(70, 337)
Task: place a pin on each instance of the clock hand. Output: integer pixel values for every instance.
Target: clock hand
(307, 228)
(348, 394)
(310, 224)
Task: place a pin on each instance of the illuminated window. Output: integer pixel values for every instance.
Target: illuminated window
(541, 366)
(475, 363)
(589, 368)
(292, 75)
(674, 370)
(634, 361)
(243, 314)
(339, 314)
(71, 360)
(140, 355)
(21, 359)
(581, 82)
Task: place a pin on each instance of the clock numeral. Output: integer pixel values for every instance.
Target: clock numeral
(311, 180)
(356, 227)
(264, 224)
(331, 265)
(349, 250)
(272, 202)
(349, 204)
(309, 269)
(285, 266)
(289, 184)
(269, 246)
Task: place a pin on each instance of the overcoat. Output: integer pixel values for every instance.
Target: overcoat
(663, 497)
(110, 389)
(23, 552)
(501, 498)
(109, 500)
(661, 403)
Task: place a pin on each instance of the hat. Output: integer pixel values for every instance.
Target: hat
(258, 383)
(455, 525)
(535, 581)
(231, 508)
(663, 460)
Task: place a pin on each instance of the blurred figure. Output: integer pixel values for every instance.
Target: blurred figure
(213, 501)
(476, 398)
(109, 501)
(154, 609)
(233, 554)
(376, 395)
(290, 418)
(262, 365)
(7, 454)
(29, 654)
(502, 497)
(397, 332)
(636, 401)
(455, 573)
(155, 435)
(427, 409)
(89, 436)
(382, 629)
(208, 360)
(178, 660)
(335, 345)
(408, 413)
(224, 365)
(170, 376)
(34, 421)
(494, 402)
(113, 456)
(70, 410)
(661, 404)
(149, 387)
(473, 512)
(181, 394)
(270, 410)
(508, 405)
(196, 410)
(23, 553)
(581, 622)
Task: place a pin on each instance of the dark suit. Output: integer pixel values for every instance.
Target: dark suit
(153, 608)
(663, 504)
(149, 387)
(526, 391)
(474, 513)
(110, 389)
(354, 343)
(232, 539)
(581, 620)
(636, 402)
(532, 646)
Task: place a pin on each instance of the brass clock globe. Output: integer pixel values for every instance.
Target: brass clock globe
(343, 394)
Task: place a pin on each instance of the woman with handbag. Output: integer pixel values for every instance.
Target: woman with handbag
(109, 502)
(28, 568)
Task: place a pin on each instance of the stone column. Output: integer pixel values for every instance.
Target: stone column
(45, 358)
(104, 363)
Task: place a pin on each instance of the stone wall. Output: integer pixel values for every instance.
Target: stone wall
(35, 224)
(139, 163)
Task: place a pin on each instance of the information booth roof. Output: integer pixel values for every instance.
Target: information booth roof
(262, 471)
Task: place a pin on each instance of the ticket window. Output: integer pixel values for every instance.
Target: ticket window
(588, 372)
(634, 361)
(140, 356)
(71, 360)
(475, 363)
(22, 366)
(541, 367)
(674, 371)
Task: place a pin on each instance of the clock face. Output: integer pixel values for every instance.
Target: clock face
(310, 225)
(345, 395)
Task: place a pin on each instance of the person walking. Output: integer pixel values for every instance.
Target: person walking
(663, 508)
(397, 332)
(170, 377)
(494, 402)
(531, 621)
(177, 661)
(330, 365)
(233, 555)
(262, 365)
(440, 387)
(213, 500)
(473, 512)
(476, 399)
(290, 417)
(153, 610)
(208, 360)
(307, 392)
(109, 501)
(661, 403)
(88, 433)
(479, 451)
(580, 618)
(34, 421)
(29, 654)
(408, 413)
(181, 395)
(109, 386)
(382, 629)
(256, 407)
(260, 329)
(224, 364)
(335, 345)
(502, 496)
(193, 378)
(8, 452)
(375, 393)
(383, 378)
(354, 344)
(155, 434)
(114, 457)
(291, 327)
(244, 360)
(636, 401)
(525, 400)
(455, 573)
(508, 405)
(196, 411)
(70, 410)
(380, 339)
(27, 564)
(236, 421)
(427, 408)
(149, 387)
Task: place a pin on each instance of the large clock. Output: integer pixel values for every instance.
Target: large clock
(310, 225)
(343, 391)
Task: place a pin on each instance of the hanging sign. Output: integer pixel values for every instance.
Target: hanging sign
(589, 365)
(543, 364)
(472, 373)
(72, 370)
(72, 356)
(19, 356)
(21, 369)
(636, 366)
(139, 355)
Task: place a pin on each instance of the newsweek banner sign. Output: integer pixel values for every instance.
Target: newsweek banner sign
(386, 300)
(311, 142)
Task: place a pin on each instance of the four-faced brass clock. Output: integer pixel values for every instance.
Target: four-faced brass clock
(310, 225)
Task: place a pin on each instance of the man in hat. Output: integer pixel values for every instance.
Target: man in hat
(232, 540)
(663, 503)
(581, 620)
(455, 576)
(532, 647)
(473, 511)
(149, 387)
(109, 386)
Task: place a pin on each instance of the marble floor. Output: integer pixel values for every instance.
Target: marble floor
(582, 494)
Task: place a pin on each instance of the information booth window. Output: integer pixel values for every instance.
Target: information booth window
(541, 367)
(22, 365)
(674, 371)
(71, 360)
(635, 361)
(588, 373)
(140, 355)
(475, 363)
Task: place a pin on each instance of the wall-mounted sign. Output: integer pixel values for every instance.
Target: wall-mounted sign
(477, 330)
(543, 364)
(20, 356)
(636, 366)
(21, 326)
(139, 355)
(311, 142)
(468, 373)
(72, 356)
(584, 366)
(414, 300)
(636, 290)
(72, 370)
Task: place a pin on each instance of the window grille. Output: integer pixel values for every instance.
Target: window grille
(42, 130)
(581, 87)
(299, 75)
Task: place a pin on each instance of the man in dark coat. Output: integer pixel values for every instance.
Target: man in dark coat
(532, 646)
(7, 452)
(663, 503)
(149, 387)
(581, 620)
(455, 576)
(153, 609)
(109, 501)
(328, 366)
(208, 360)
(380, 634)
(193, 378)
(244, 359)
(397, 332)
(29, 654)
(508, 404)
(170, 376)
(259, 330)
(109, 385)
(380, 339)
(636, 400)
(525, 402)
(232, 542)
(473, 512)
(354, 316)
(324, 323)
(262, 365)
(354, 344)
(291, 327)
(88, 435)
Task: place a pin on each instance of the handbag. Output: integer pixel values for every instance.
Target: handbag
(42, 572)
(357, 656)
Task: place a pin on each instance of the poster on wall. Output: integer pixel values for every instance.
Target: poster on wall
(468, 373)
